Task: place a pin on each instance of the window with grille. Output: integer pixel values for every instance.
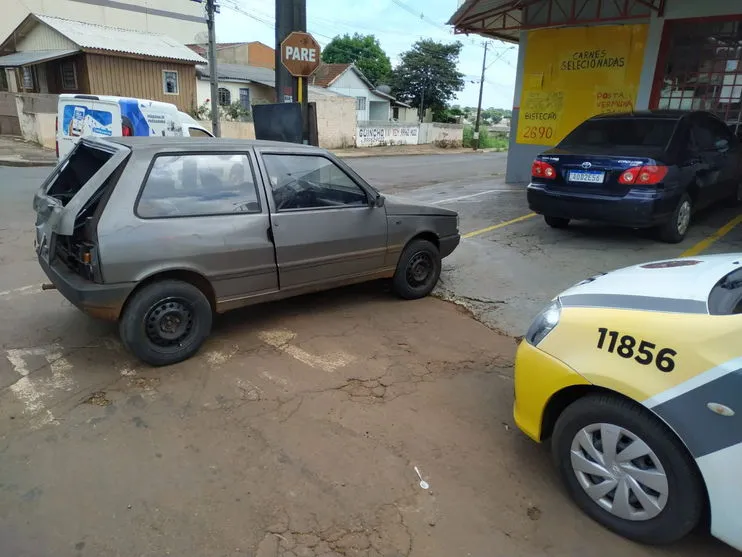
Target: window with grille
(69, 75)
(360, 103)
(702, 69)
(245, 98)
(170, 85)
(224, 97)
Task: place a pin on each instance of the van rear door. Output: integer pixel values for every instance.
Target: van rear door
(71, 189)
(85, 115)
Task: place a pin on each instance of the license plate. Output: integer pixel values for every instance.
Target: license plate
(589, 176)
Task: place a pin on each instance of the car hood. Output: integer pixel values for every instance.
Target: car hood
(406, 207)
(677, 285)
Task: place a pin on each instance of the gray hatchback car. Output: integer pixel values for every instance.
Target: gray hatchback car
(159, 234)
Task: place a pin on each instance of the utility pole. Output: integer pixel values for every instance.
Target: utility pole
(211, 10)
(291, 15)
(422, 101)
(479, 104)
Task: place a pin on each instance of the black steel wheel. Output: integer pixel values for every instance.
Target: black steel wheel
(418, 270)
(166, 322)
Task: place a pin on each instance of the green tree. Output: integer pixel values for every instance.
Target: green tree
(362, 50)
(428, 73)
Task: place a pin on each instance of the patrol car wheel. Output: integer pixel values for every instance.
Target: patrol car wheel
(166, 322)
(626, 470)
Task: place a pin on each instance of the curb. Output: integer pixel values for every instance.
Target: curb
(26, 163)
(416, 154)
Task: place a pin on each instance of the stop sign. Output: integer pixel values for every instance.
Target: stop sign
(300, 54)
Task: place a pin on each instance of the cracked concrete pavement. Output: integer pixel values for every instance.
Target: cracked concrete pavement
(297, 429)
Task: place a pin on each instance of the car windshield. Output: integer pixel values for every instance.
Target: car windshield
(726, 296)
(621, 132)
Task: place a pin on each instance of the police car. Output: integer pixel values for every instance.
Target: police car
(635, 377)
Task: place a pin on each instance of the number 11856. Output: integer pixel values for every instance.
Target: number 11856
(642, 351)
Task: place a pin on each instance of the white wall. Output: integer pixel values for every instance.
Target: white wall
(392, 133)
(350, 85)
(177, 18)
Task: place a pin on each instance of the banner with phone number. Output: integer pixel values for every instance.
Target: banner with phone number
(572, 74)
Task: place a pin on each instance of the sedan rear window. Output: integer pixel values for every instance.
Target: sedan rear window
(621, 132)
(726, 296)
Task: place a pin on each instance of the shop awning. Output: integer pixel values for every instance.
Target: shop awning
(505, 19)
(31, 57)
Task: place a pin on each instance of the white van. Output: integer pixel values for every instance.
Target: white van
(83, 115)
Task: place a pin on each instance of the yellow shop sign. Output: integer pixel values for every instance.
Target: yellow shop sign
(574, 73)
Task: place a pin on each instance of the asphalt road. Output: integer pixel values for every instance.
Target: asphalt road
(295, 432)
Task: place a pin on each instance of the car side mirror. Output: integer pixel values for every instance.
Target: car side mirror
(722, 145)
(377, 201)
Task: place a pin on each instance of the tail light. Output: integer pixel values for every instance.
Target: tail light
(643, 175)
(541, 169)
(56, 135)
(126, 131)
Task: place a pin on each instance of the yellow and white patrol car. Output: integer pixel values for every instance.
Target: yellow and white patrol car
(636, 377)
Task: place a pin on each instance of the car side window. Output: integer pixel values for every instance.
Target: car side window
(708, 132)
(310, 182)
(199, 185)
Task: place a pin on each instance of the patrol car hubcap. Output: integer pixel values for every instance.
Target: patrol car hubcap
(684, 217)
(619, 472)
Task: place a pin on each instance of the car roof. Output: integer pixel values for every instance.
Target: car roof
(651, 114)
(137, 143)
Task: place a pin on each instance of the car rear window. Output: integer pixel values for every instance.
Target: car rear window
(83, 163)
(621, 132)
(726, 296)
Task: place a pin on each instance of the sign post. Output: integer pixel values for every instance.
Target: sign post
(300, 55)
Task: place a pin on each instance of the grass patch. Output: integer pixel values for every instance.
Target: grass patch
(486, 141)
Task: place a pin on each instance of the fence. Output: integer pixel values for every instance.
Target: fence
(446, 135)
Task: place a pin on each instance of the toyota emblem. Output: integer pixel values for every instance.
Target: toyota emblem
(586, 165)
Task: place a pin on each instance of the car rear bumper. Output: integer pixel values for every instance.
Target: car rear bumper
(639, 209)
(102, 301)
(448, 244)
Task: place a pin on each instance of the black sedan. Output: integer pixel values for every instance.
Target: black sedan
(640, 170)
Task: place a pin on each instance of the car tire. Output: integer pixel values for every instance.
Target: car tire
(676, 228)
(678, 510)
(166, 322)
(418, 270)
(556, 222)
(736, 199)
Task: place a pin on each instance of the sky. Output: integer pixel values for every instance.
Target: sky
(397, 24)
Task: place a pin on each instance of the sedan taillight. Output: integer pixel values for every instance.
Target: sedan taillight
(643, 175)
(541, 169)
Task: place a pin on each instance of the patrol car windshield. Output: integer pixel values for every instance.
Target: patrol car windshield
(621, 132)
(726, 296)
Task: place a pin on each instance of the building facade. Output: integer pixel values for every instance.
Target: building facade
(183, 20)
(48, 56)
(578, 58)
